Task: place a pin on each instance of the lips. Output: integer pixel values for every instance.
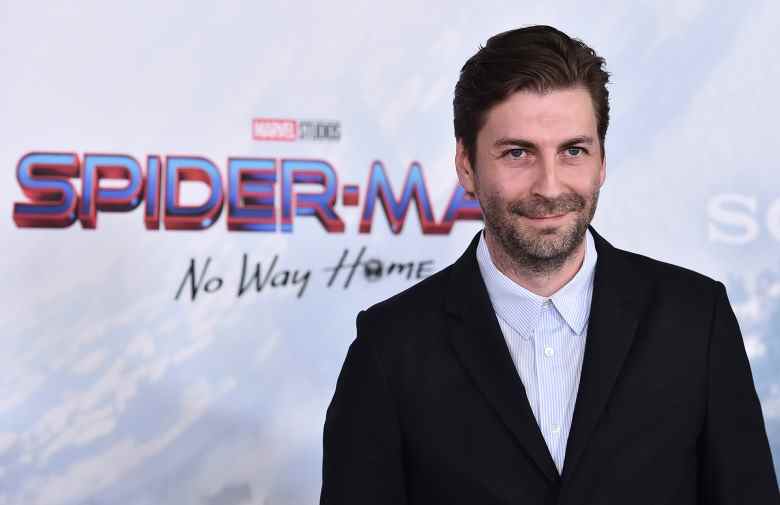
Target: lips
(543, 218)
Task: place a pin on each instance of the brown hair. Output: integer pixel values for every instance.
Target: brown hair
(539, 58)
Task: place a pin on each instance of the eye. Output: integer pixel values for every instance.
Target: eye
(575, 152)
(516, 153)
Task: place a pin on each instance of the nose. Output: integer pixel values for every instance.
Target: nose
(547, 181)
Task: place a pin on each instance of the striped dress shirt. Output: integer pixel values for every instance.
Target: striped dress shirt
(546, 339)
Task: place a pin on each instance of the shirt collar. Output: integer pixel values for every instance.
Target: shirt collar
(520, 308)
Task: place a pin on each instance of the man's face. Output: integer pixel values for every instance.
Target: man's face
(537, 173)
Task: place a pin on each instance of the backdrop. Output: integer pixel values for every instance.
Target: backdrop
(220, 188)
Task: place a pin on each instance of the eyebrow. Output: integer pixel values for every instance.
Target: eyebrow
(506, 141)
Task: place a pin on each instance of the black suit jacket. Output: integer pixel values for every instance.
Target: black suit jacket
(429, 408)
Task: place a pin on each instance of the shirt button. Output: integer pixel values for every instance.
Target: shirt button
(548, 351)
(556, 428)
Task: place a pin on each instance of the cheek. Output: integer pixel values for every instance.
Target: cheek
(503, 185)
(583, 181)
(497, 200)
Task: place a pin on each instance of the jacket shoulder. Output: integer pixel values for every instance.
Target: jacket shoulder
(673, 281)
(412, 305)
(399, 328)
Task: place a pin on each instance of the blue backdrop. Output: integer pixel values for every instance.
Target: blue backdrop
(116, 391)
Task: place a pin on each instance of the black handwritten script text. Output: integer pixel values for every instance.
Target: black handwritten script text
(272, 275)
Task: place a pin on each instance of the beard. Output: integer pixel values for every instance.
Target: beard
(540, 250)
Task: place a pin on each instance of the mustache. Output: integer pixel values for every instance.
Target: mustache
(539, 206)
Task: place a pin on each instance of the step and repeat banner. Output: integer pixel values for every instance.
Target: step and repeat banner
(227, 184)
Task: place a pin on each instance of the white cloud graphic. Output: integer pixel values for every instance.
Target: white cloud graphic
(105, 376)
(100, 470)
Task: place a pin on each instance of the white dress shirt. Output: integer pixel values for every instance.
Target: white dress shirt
(546, 338)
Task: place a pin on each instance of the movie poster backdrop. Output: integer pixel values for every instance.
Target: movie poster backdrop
(199, 198)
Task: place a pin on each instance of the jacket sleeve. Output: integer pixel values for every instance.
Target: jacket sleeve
(737, 466)
(362, 457)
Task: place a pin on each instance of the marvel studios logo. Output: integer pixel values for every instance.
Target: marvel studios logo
(290, 130)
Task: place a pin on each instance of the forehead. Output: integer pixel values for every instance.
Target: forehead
(536, 116)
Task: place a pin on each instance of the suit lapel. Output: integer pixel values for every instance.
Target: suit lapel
(620, 295)
(480, 346)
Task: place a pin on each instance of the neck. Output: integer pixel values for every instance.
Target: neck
(536, 278)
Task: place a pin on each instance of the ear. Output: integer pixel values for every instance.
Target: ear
(603, 170)
(466, 175)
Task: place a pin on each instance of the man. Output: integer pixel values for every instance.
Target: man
(545, 366)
